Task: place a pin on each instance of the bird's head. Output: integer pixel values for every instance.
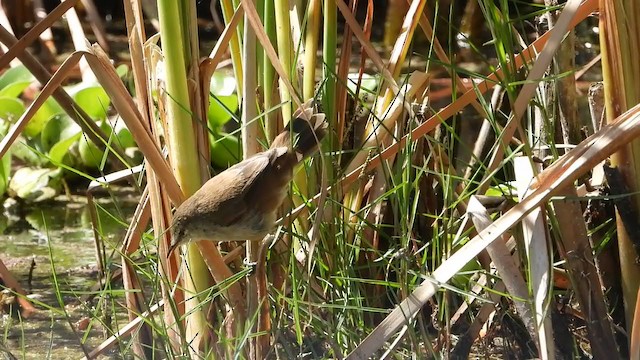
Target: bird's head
(179, 232)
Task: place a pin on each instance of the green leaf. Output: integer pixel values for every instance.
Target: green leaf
(18, 74)
(4, 127)
(92, 99)
(90, 154)
(41, 117)
(222, 83)
(501, 190)
(61, 148)
(122, 70)
(58, 127)
(14, 90)
(223, 104)
(218, 114)
(5, 167)
(34, 185)
(225, 150)
(23, 149)
(10, 109)
(124, 136)
(369, 82)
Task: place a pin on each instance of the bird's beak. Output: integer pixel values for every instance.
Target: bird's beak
(172, 248)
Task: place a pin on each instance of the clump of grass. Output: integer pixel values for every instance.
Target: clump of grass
(396, 215)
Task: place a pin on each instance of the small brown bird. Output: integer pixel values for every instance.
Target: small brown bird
(241, 202)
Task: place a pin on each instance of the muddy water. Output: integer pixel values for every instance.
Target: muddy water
(35, 241)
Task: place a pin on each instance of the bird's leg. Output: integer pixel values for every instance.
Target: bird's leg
(264, 322)
(261, 258)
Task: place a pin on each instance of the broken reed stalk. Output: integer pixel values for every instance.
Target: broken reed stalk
(184, 159)
(251, 146)
(620, 48)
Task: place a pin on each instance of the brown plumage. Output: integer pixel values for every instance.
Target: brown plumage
(241, 202)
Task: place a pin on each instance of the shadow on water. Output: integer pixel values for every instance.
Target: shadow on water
(35, 240)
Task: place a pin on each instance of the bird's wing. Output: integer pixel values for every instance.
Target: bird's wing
(230, 187)
(250, 169)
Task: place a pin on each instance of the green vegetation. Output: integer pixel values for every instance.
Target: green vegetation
(458, 203)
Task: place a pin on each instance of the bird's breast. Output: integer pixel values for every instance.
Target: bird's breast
(253, 226)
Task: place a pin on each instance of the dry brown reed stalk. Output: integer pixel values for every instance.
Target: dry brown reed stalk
(135, 324)
(33, 33)
(10, 282)
(79, 43)
(506, 266)
(368, 48)
(251, 146)
(158, 201)
(134, 120)
(123, 332)
(620, 49)
(634, 340)
(263, 39)
(5, 23)
(552, 180)
(572, 11)
(95, 185)
(382, 123)
(427, 29)
(209, 65)
(142, 129)
(96, 23)
(89, 127)
(368, 24)
(536, 245)
(448, 111)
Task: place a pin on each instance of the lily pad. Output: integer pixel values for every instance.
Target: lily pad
(10, 109)
(58, 127)
(92, 99)
(223, 84)
(61, 149)
(5, 166)
(124, 136)
(42, 116)
(218, 114)
(122, 70)
(22, 149)
(35, 185)
(225, 150)
(14, 90)
(17, 75)
(369, 82)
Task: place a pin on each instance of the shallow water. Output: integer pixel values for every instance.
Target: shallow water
(35, 240)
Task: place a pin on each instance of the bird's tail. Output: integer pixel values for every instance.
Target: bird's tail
(304, 132)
